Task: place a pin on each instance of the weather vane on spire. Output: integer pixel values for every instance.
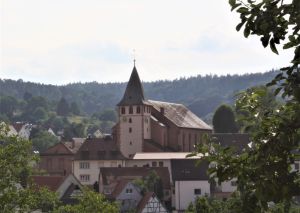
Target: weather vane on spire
(134, 57)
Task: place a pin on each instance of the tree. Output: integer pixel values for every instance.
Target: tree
(108, 115)
(151, 183)
(75, 108)
(27, 96)
(90, 202)
(63, 108)
(43, 140)
(267, 100)
(274, 21)
(263, 170)
(8, 105)
(224, 120)
(16, 195)
(40, 114)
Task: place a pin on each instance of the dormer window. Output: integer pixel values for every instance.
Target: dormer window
(138, 110)
(123, 110)
(130, 110)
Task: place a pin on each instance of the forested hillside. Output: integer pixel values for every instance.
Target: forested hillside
(202, 94)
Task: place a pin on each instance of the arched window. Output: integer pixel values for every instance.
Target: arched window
(123, 110)
(138, 110)
(130, 110)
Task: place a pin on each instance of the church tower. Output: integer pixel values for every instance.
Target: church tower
(134, 117)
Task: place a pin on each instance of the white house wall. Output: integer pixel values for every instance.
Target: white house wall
(228, 186)
(184, 192)
(94, 169)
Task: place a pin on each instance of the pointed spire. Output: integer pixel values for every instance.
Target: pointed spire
(134, 93)
(134, 58)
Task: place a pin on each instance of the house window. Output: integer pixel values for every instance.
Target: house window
(197, 191)
(84, 178)
(130, 129)
(233, 183)
(130, 120)
(130, 143)
(123, 110)
(161, 164)
(130, 110)
(138, 110)
(296, 166)
(154, 164)
(84, 165)
(128, 191)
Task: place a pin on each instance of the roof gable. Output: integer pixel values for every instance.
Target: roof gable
(150, 203)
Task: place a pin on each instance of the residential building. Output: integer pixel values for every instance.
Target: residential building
(57, 159)
(109, 178)
(96, 153)
(68, 187)
(189, 182)
(151, 204)
(157, 159)
(21, 129)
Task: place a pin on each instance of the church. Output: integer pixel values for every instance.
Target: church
(154, 126)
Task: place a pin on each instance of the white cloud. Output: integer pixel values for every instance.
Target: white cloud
(61, 41)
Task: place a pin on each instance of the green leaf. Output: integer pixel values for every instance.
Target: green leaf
(246, 31)
(235, 6)
(277, 91)
(232, 3)
(243, 10)
(239, 26)
(273, 46)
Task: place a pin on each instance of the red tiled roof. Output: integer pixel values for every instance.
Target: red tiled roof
(51, 182)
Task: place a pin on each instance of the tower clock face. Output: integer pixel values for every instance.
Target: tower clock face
(124, 119)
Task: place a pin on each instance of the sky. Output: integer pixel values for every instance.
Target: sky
(64, 41)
